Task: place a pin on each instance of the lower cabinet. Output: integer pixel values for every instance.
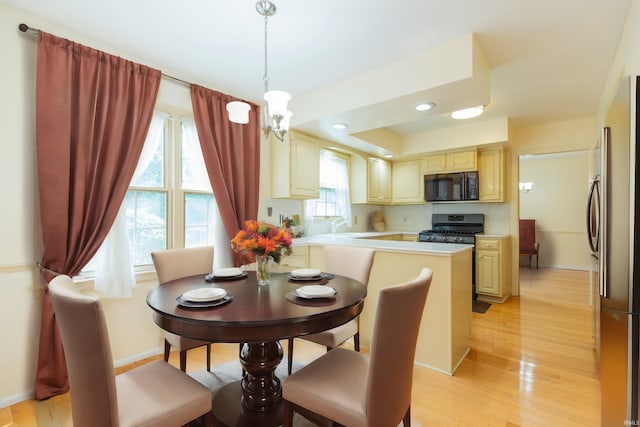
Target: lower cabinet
(297, 259)
(492, 268)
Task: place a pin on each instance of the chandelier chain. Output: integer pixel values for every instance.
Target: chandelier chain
(266, 69)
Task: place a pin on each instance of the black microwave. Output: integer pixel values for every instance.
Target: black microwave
(451, 187)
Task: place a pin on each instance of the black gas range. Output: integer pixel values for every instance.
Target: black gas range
(453, 228)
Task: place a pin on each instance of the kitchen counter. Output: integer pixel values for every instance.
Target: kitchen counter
(368, 239)
(443, 341)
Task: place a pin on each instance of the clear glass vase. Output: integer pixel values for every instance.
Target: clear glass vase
(263, 268)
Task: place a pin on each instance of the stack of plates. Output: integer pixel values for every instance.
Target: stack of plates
(315, 291)
(203, 297)
(306, 274)
(231, 273)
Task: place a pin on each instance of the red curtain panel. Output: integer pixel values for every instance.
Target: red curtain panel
(93, 111)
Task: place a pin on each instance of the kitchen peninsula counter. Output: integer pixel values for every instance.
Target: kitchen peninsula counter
(375, 240)
(445, 329)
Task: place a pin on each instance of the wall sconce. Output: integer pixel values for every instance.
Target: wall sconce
(525, 186)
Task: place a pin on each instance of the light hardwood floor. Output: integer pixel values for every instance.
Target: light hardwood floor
(532, 363)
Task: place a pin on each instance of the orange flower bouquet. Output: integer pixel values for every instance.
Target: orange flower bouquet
(262, 239)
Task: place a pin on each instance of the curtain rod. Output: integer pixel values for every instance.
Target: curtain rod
(25, 28)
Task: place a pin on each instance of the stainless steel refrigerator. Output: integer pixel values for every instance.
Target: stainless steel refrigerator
(618, 245)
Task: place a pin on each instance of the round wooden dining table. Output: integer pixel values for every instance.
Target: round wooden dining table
(258, 316)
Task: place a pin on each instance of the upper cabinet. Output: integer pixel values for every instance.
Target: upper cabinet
(295, 167)
(454, 161)
(407, 182)
(491, 175)
(370, 180)
(378, 181)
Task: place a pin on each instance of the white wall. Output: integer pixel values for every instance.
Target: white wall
(557, 202)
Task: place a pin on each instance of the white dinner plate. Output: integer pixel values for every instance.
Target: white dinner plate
(204, 294)
(315, 291)
(306, 272)
(227, 272)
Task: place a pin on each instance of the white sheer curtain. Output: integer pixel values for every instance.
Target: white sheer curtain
(114, 274)
(194, 177)
(334, 173)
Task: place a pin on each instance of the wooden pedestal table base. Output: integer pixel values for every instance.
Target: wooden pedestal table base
(256, 400)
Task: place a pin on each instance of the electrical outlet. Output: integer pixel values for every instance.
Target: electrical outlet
(355, 220)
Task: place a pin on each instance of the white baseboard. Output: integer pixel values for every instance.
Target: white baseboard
(139, 356)
(16, 398)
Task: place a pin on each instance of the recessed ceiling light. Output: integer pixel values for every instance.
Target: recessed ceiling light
(468, 113)
(425, 106)
(339, 126)
(388, 156)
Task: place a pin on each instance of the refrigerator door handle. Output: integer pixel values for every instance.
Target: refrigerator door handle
(593, 220)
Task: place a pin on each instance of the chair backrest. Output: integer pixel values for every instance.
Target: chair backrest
(349, 261)
(173, 264)
(393, 347)
(527, 236)
(85, 339)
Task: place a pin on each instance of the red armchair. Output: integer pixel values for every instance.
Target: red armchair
(528, 244)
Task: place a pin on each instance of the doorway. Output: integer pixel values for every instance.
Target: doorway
(553, 190)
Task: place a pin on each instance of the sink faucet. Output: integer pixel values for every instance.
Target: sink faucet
(337, 223)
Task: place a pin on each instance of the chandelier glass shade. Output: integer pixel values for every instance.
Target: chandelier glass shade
(277, 115)
(238, 112)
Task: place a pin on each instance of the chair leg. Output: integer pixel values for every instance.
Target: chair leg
(167, 349)
(406, 421)
(209, 357)
(289, 355)
(287, 409)
(356, 341)
(537, 259)
(183, 360)
(529, 261)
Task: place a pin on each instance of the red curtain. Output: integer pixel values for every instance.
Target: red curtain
(93, 111)
(231, 154)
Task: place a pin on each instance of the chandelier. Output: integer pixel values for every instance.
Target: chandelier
(276, 114)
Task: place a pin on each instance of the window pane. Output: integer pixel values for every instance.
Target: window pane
(194, 171)
(198, 219)
(146, 213)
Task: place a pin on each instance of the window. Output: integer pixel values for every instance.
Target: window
(170, 202)
(334, 200)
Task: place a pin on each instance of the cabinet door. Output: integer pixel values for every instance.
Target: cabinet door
(407, 182)
(295, 167)
(305, 167)
(460, 161)
(490, 175)
(488, 272)
(378, 181)
(435, 163)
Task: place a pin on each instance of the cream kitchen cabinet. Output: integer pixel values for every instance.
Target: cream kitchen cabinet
(453, 161)
(491, 175)
(378, 181)
(492, 268)
(297, 259)
(407, 183)
(295, 167)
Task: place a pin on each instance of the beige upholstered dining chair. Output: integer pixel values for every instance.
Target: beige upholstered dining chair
(355, 390)
(153, 394)
(354, 263)
(173, 264)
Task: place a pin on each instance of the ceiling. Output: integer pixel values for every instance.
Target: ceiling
(366, 63)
